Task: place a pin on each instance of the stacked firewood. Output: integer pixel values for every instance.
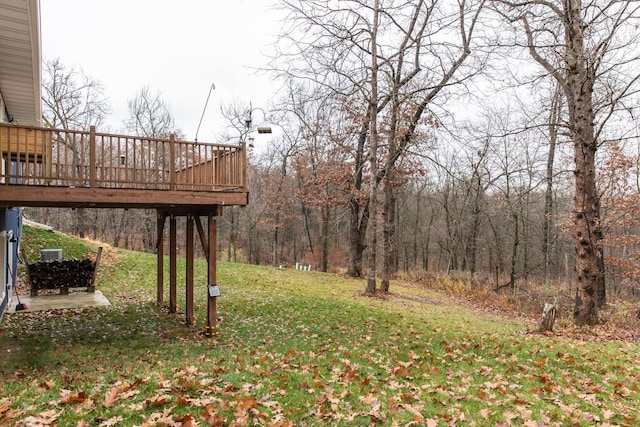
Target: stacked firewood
(66, 273)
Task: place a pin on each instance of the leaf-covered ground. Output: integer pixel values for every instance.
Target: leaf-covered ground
(301, 348)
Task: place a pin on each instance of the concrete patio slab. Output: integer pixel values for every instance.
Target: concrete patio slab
(52, 302)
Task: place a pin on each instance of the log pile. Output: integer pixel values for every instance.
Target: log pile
(60, 274)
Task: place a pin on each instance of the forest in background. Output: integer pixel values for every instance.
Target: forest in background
(497, 141)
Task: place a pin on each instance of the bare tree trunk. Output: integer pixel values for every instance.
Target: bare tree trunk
(126, 241)
(416, 233)
(601, 288)
(306, 216)
(274, 246)
(388, 213)
(148, 237)
(586, 218)
(324, 261)
(524, 216)
(358, 213)
(106, 226)
(575, 67)
(514, 250)
(252, 245)
(451, 232)
(117, 218)
(358, 222)
(497, 238)
(547, 233)
(81, 222)
(373, 158)
(586, 223)
(232, 236)
(472, 248)
(425, 246)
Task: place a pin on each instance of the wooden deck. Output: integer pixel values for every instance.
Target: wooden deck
(66, 168)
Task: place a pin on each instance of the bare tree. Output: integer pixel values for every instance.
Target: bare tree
(373, 153)
(75, 101)
(588, 48)
(72, 100)
(318, 164)
(391, 59)
(332, 55)
(149, 116)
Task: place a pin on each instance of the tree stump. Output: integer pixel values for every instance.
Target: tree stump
(548, 318)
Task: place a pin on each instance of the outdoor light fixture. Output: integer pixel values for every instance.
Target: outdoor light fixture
(214, 290)
(122, 158)
(248, 121)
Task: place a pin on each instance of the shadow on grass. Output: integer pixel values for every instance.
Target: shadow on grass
(32, 340)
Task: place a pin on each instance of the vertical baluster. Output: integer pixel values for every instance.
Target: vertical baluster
(243, 167)
(192, 165)
(156, 172)
(172, 162)
(102, 177)
(136, 162)
(92, 158)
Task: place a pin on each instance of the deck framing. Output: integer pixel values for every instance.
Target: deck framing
(56, 168)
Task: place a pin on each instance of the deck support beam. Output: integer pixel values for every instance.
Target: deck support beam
(161, 219)
(209, 241)
(173, 264)
(212, 302)
(189, 273)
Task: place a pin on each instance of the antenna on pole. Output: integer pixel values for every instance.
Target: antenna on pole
(213, 86)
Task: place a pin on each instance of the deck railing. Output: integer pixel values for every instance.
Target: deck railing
(68, 158)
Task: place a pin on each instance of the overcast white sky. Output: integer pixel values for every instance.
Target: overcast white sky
(177, 48)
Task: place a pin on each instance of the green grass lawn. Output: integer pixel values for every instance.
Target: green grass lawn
(297, 348)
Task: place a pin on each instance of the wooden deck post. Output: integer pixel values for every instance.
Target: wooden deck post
(93, 172)
(189, 281)
(173, 265)
(243, 167)
(161, 218)
(212, 308)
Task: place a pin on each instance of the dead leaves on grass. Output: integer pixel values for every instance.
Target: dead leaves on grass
(46, 418)
(210, 401)
(411, 378)
(429, 389)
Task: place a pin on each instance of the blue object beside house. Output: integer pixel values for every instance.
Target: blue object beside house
(20, 103)
(10, 235)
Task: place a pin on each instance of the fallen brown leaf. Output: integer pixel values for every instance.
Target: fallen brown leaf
(111, 397)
